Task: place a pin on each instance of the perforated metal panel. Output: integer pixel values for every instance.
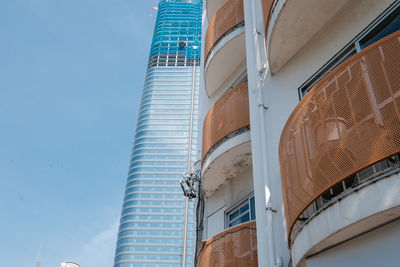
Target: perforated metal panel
(235, 247)
(347, 122)
(230, 15)
(229, 114)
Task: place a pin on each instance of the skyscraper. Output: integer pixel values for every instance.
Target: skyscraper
(155, 214)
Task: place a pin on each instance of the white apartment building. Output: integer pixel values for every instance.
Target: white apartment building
(300, 107)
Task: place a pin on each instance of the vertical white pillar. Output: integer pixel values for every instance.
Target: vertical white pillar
(189, 162)
(257, 69)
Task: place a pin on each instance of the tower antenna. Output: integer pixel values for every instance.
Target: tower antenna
(37, 264)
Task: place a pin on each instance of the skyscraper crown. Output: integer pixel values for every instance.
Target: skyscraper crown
(182, 1)
(177, 34)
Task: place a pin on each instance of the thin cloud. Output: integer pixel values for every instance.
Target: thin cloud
(99, 251)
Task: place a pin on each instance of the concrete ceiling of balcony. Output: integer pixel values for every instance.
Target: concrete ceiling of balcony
(226, 61)
(226, 162)
(372, 205)
(293, 23)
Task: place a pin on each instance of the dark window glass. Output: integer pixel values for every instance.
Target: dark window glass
(252, 209)
(388, 26)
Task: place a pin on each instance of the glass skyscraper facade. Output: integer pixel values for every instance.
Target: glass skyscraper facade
(155, 211)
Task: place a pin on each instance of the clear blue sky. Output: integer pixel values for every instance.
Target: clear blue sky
(71, 74)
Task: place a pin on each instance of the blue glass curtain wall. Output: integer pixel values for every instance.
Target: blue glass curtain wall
(153, 210)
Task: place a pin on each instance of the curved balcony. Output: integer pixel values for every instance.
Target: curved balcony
(236, 246)
(226, 139)
(349, 121)
(293, 23)
(224, 38)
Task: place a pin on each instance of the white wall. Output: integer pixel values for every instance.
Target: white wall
(377, 248)
(225, 198)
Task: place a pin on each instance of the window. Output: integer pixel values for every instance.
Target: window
(333, 63)
(384, 25)
(242, 213)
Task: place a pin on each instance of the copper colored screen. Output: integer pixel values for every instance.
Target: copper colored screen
(267, 6)
(236, 247)
(347, 122)
(229, 114)
(226, 18)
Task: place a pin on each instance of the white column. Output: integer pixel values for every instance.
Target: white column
(257, 69)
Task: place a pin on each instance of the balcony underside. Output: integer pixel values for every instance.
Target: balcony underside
(293, 23)
(226, 162)
(365, 208)
(222, 68)
(224, 48)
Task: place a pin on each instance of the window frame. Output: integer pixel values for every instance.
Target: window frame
(351, 48)
(238, 206)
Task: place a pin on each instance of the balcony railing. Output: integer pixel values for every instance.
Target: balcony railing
(226, 19)
(213, 6)
(348, 121)
(236, 246)
(228, 115)
(267, 8)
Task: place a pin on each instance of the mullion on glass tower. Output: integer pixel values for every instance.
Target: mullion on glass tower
(152, 225)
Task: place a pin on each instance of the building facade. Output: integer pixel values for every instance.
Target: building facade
(157, 221)
(300, 136)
